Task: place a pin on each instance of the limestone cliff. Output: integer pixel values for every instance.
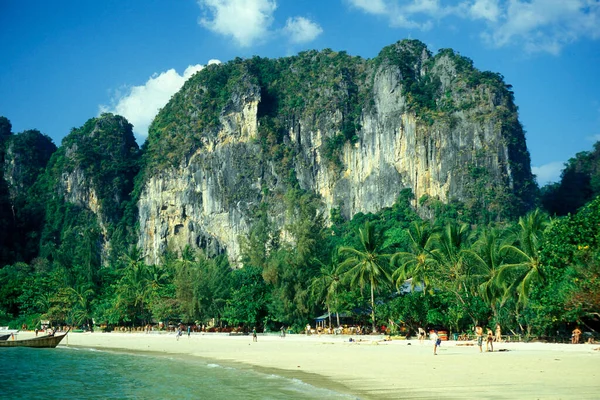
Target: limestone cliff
(353, 132)
(89, 181)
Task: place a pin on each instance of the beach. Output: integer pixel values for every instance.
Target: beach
(375, 369)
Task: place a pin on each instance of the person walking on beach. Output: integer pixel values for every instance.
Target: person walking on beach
(307, 329)
(436, 341)
(479, 334)
(490, 340)
(178, 333)
(421, 335)
(282, 331)
(498, 333)
(575, 336)
(254, 337)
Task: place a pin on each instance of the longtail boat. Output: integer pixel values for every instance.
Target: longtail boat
(49, 341)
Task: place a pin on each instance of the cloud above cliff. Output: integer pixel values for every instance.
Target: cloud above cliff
(301, 30)
(245, 21)
(535, 25)
(140, 104)
(249, 22)
(548, 173)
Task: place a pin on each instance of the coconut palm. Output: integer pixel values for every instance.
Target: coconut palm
(450, 246)
(366, 264)
(138, 284)
(81, 310)
(418, 264)
(487, 260)
(525, 267)
(325, 286)
(453, 267)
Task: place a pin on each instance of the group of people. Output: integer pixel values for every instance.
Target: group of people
(489, 340)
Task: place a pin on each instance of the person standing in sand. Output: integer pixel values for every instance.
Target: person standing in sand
(490, 341)
(421, 335)
(576, 334)
(498, 333)
(436, 341)
(307, 329)
(254, 337)
(479, 334)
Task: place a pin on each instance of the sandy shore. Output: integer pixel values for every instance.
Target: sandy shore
(387, 370)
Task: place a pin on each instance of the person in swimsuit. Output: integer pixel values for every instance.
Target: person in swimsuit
(479, 334)
(421, 335)
(576, 334)
(490, 340)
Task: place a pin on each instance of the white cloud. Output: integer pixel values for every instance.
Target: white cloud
(246, 21)
(140, 104)
(415, 14)
(548, 173)
(536, 25)
(485, 9)
(369, 6)
(301, 30)
(546, 25)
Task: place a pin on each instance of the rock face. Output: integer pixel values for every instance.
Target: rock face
(353, 132)
(90, 179)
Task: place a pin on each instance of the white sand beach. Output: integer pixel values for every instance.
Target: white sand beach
(387, 370)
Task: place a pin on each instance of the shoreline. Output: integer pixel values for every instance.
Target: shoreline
(372, 369)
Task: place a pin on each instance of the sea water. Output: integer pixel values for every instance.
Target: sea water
(76, 373)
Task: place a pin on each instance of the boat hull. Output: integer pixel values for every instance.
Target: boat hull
(38, 342)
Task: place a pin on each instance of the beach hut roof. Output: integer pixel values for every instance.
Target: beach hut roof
(326, 315)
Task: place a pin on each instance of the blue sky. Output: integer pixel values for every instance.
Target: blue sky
(64, 62)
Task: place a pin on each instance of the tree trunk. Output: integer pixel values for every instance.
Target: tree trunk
(372, 308)
(329, 315)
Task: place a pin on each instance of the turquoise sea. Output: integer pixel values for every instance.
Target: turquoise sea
(76, 373)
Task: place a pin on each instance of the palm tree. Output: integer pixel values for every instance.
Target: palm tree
(138, 283)
(525, 267)
(487, 261)
(450, 251)
(325, 286)
(417, 264)
(81, 310)
(367, 264)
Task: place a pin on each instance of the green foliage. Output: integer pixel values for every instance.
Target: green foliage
(202, 285)
(366, 264)
(579, 184)
(26, 157)
(5, 130)
(248, 302)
